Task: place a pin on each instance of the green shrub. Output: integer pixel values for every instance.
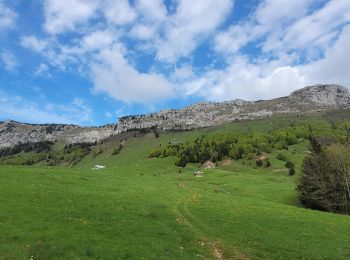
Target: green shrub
(281, 157)
(259, 163)
(291, 139)
(291, 171)
(265, 147)
(97, 152)
(281, 145)
(267, 164)
(289, 164)
(181, 162)
(156, 152)
(118, 149)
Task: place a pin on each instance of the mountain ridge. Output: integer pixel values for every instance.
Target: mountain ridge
(310, 99)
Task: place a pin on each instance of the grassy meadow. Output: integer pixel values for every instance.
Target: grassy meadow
(145, 208)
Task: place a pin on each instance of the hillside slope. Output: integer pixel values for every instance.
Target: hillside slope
(145, 208)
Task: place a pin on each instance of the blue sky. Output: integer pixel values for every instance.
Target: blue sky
(89, 62)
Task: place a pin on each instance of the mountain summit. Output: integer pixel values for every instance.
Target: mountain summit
(307, 100)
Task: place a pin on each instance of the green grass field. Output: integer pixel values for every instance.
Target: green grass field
(143, 208)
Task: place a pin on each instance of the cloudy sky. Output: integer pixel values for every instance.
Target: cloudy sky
(89, 62)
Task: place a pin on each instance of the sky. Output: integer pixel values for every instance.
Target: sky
(89, 62)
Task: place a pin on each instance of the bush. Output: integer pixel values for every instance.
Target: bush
(118, 149)
(154, 153)
(289, 164)
(281, 157)
(291, 171)
(258, 163)
(266, 148)
(326, 177)
(291, 139)
(181, 162)
(281, 145)
(97, 153)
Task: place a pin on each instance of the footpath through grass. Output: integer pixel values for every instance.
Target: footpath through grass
(141, 208)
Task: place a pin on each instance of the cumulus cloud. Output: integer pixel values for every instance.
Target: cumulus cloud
(245, 80)
(119, 12)
(63, 16)
(9, 61)
(152, 15)
(7, 17)
(43, 71)
(283, 33)
(24, 110)
(269, 19)
(115, 76)
(33, 43)
(189, 26)
(151, 10)
(334, 67)
(290, 44)
(322, 27)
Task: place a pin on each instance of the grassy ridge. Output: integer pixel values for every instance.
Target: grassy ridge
(142, 208)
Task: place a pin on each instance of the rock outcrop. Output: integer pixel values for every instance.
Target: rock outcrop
(12, 133)
(306, 100)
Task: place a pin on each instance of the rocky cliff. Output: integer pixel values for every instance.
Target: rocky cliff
(12, 133)
(306, 100)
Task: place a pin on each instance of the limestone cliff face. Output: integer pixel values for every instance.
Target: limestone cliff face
(12, 133)
(309, 99)
(323, 95)
(306, 100)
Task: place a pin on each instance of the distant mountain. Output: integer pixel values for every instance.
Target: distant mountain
(307, 100)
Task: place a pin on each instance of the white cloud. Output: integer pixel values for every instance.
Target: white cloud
(232, 40)
(61, 16)
(43, 70)
(267, 79)
(152, 16)
(21, 109)
(334, 67)
(320, 27)
(9, 61)
(271, 13)
(189, 26)
(270, 18)
(143, 32)
(151, 10)
(115, 76)
(7, 17)
(286, 31)
(119, 12)
(98, 40)
(283, 33)
(245, 80)
(33, 43)
(183, 73)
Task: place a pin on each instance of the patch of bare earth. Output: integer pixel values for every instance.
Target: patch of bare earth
(182, 184)
(279, 170)
(226, 163)
(218, 253)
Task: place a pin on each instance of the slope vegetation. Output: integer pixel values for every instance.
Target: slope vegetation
(147, 208)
